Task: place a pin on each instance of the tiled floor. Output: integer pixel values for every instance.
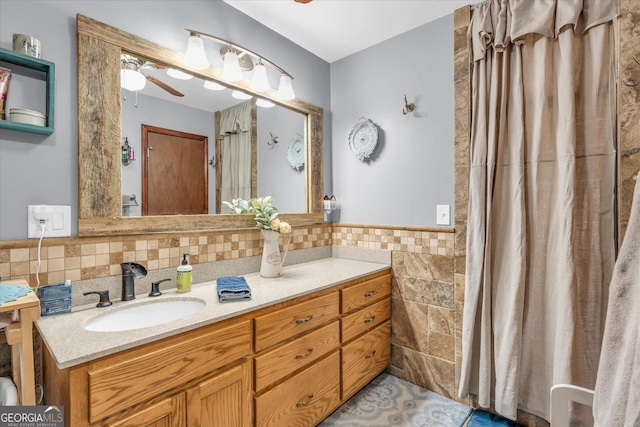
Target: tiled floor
(389, 401)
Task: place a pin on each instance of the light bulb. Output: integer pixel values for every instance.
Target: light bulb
(260, 82)
(196, 57)
(231, 70)
(240, 95)
(285, 90)
(208, 84)
(264, 103)
(132, 80)
(179, 74)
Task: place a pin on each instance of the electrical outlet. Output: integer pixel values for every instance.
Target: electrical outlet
(57, 221)
(443, 215)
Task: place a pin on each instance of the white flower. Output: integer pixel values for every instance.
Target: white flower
(275, 224)
(285, 227)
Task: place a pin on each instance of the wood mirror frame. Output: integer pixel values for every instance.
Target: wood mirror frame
(99, 131)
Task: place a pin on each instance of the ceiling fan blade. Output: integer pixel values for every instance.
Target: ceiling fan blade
(163, 85)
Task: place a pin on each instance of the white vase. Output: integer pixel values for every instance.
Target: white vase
(271, 265)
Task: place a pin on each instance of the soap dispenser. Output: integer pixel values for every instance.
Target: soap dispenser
(185, 279)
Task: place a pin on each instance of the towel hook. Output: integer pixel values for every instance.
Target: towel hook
(274, 140)
(632, 83)
(407, 107)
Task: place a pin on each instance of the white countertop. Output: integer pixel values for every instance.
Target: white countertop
(70, 344)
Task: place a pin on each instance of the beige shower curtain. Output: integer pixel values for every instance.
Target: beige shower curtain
(540, 231)
(235, 140)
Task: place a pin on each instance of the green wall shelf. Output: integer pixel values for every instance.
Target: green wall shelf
(49, 68)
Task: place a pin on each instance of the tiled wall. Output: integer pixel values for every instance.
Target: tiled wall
(91, 258)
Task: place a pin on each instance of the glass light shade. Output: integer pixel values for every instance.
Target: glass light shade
(285, 90)
(231, 70)
(132, 80)
(178, 74)
(260, 82)
(264, 103)
(240, 95)
(208, 84)
(195, 57)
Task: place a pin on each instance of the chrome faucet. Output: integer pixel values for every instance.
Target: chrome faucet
(131, 270)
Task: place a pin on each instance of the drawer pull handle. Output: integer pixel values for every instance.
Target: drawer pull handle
(369, 294)
(370, 319)
(370, 355)
(305, 320)
(302, 356)
(305, 402)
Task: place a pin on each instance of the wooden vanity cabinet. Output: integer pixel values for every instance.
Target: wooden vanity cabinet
(155, 382)
(289, 364)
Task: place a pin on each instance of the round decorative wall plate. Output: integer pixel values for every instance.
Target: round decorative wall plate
(363, 138)
(295, 152)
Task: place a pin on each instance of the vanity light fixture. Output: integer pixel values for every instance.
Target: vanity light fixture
(178, 74)
(195, 57)
(208, 84)
(236, 60)
(237, 94)
(260, 82)
(264, 103)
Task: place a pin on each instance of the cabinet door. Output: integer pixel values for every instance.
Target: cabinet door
(364, 358)
(169, 412)
(223, 400)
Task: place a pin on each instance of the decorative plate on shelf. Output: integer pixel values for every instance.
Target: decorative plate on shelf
(363, 138)
(295, 152)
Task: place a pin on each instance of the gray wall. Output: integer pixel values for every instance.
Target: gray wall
(276, 177)
(412, 168)
(43, 170)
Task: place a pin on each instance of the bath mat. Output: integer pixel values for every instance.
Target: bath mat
(481, 418)
(389, 401)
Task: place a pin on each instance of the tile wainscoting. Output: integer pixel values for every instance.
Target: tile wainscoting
(88, 258)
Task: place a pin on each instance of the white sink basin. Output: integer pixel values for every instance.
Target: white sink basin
(144, 315)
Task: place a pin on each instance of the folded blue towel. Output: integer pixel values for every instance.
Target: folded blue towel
(233, 288)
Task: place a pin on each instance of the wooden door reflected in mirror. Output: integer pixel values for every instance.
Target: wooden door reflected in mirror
(174, 172)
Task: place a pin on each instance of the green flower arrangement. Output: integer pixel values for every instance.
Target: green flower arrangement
(266, 215)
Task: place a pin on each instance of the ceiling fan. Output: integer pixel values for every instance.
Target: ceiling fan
(129, 62)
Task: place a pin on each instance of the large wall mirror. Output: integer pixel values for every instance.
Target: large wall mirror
(108, 114)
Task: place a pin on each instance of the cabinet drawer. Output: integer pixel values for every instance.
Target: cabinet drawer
(358, 296)
(283, 324)
(117, 386)
(304, 399)
(365, 319)
(365, 358)
(283, 360)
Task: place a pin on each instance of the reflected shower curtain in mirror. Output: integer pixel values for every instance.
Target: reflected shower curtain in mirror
(235, 140)
(540, 229)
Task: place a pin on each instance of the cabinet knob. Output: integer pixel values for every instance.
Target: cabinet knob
(370, 319)
(369, 294)
(370, 355)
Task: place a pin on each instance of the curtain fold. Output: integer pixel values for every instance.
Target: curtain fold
(540, 231)
(235, 140)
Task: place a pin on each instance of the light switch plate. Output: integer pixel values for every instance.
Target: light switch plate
(57, 221)
(443, 213)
